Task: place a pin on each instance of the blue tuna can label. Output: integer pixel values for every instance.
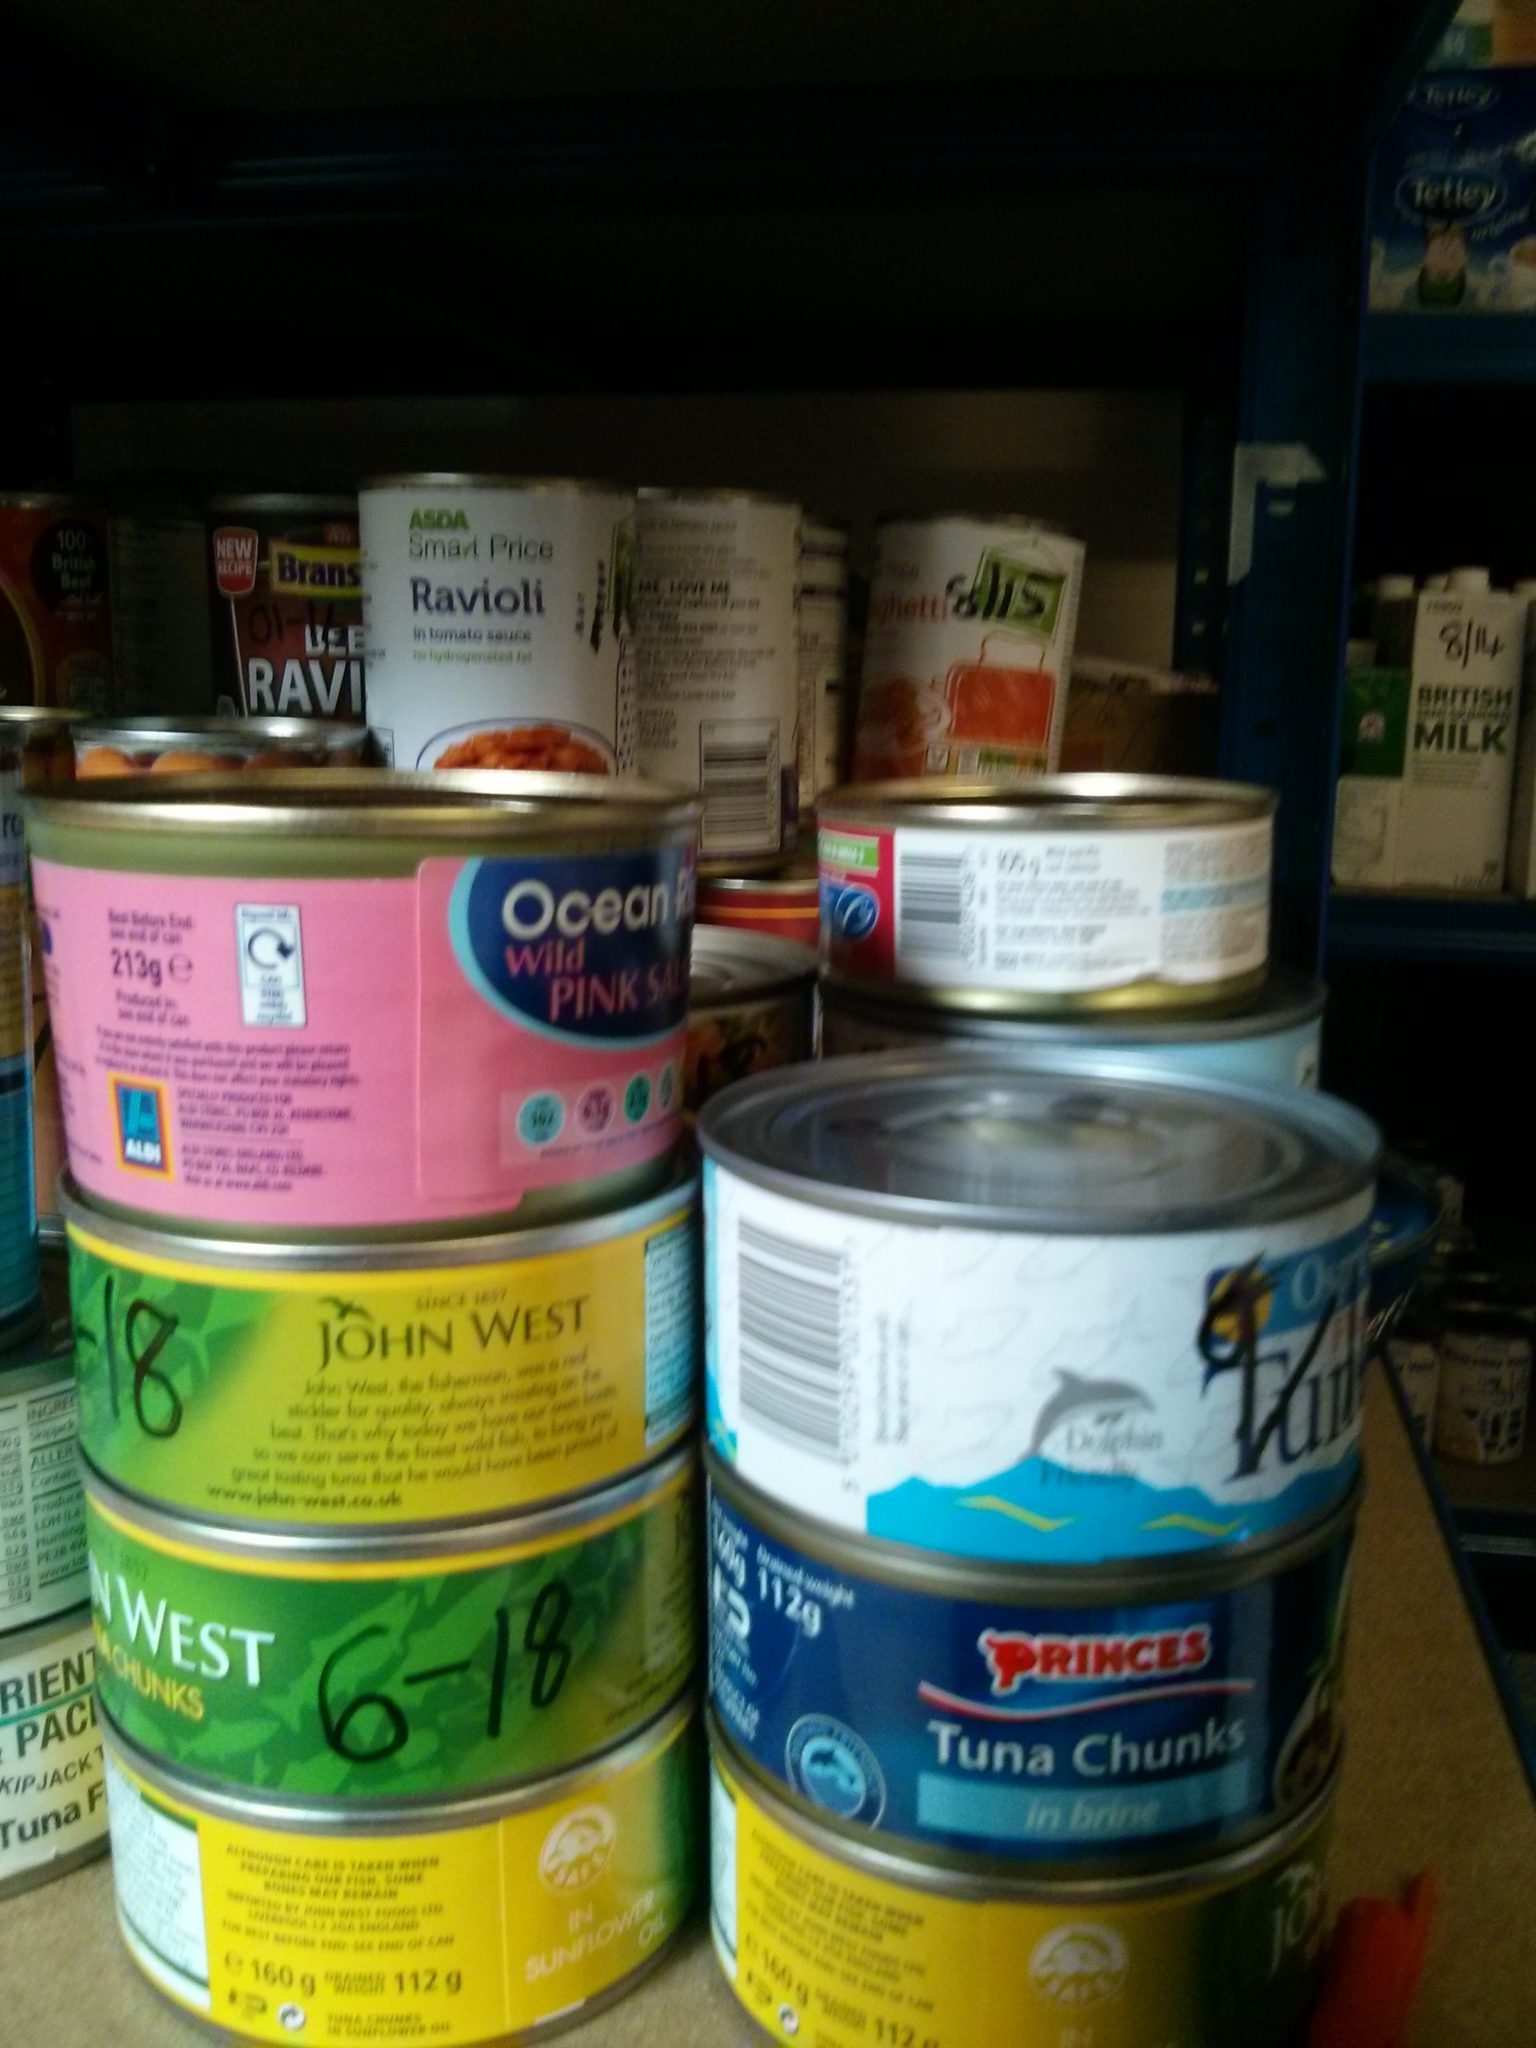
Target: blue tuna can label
(1036, 1726)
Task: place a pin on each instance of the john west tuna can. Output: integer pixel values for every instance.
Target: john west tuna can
(53, 1809)
(846, 1944)
(498, 617)
(967, 649)
(330, 1001)
(285, 576)
(418, 1664)
(1048, 1719)
(287, 1386)
(1081, 893)
(751, 1007)
(1048, 1312)
(55, 625)
(325, 1922)
(720, 662)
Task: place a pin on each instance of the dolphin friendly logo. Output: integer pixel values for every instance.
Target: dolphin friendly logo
(1105, 1400)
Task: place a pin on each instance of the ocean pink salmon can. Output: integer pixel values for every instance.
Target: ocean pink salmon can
(328, 1002)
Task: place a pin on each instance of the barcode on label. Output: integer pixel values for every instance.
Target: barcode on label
(930, 904)
(739, 782)
(790, 1320)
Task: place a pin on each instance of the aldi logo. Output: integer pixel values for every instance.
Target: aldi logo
(143, 1125)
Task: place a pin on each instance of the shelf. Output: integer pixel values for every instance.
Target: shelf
(1494, 1505)
(1484, 930)
(1450, 348)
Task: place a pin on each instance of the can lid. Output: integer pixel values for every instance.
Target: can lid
(491, 480)
(47, 501)
(36, 721)
(327, 734)
(682, 494)
(729, 964)
(1007, 522)
(323, 504)
(1053, 803)
(1056, 1142)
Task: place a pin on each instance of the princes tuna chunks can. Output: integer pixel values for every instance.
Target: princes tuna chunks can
(498, 617)
(967, 649)
(285, 575)
(846, 1945)
(53, 1806)
(1043, 1312)
(55, 621)
(1048, 1719)
(327, 1001)
(458, 1922)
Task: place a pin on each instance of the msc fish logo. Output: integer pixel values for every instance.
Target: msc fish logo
(577, 1849)
(1104, 1400)
(1081, 1964)
(143, 1120)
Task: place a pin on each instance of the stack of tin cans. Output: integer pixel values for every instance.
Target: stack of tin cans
(384, 1273)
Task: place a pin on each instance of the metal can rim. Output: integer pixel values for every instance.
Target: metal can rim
(797, 885)
(1085, 802)
(1013, 522)
(1288, 998)
(329, 733)
(29, 719)
(493, 480)
(49, 501)
(715, 494)
(33, 1634)
(785, 967)
(339, 503)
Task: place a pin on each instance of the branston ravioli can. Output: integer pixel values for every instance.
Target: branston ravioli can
(190, 746)
(53, 1809)
(291, 1386)
(55, 627)
(1051, 1312)
(329, 1001)
(843, 1945)
(401, 1665)
(751, 1007)
(457, 1922)
(285, 575)
(42, 1516)
(1083, 892)
(1047, 1720)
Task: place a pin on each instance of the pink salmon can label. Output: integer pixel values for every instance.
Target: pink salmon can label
(344, 1054)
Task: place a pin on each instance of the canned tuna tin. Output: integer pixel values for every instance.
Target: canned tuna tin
(843, 1945)
(751, 1007)
(18, 1217)
(184, 746)
(285, 1386)
(53, 1808)
(390, 1926)
(1054, 1313)
(1274, 1043)
(1054, 1718)
(719, 661)
(1080, 893)
(498, 618)
(786, 906)
(42, 1517)
(286, 578)
(968, 648)
(329, 1002)
(1484, 1391)
(55, 627)
(421, 1663)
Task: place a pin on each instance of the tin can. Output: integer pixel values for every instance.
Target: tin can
(1047, 1313)
(1054, 1719)
(192, 746)
(285, 579)
(720, 663)
(328, 1002)
(823, 643)
(1484, 1394)
(53, 1807)
(42, 1515)
(1085, 892)
(288, 1386)
(55, 621)
(411, 1664)
(498, 617)
(781, 906)
(334, 1923)
(751, 1007)
(157, 541)
(1413, 1357)
(845, 1944)
(1274, 1043)
(967, 649)
(18, 1212)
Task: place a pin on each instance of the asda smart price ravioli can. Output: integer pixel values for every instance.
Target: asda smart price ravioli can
(332, 1001)
(298, 1386)
(839, 1944)
(288, 1922)
(395, 1666)
(53, 1808)
(1050, 1720)
(1044, 1311)
(42, 1514)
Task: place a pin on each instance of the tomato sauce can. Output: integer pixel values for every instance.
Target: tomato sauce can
(751, 1007)
(780, 906)
(499, 624)
(826, 1940)
(205, 746)
(53, 1807)
(286, 614)
(326, 1922)
(42, 1514)
(327, 1002)
(292, 1386)
(55, 619)
(1079, 893)
(1045, 1720)
(968, 649)
(399, 1664)
(1044, 1312)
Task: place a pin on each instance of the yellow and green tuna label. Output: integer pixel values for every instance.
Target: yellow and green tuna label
(396, 1679)
(341, 1398)
(449, 1935)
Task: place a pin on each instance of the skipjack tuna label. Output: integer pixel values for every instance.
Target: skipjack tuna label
(287, 614)
(1011, 1727)
(434, 1393)
(1047, 913)
(312, 1931)
(52, 1799)
(1039, 1398)
(295, 1054)
(42, 1516)
(366, 1676)
(819, 1948)
(55, 626)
